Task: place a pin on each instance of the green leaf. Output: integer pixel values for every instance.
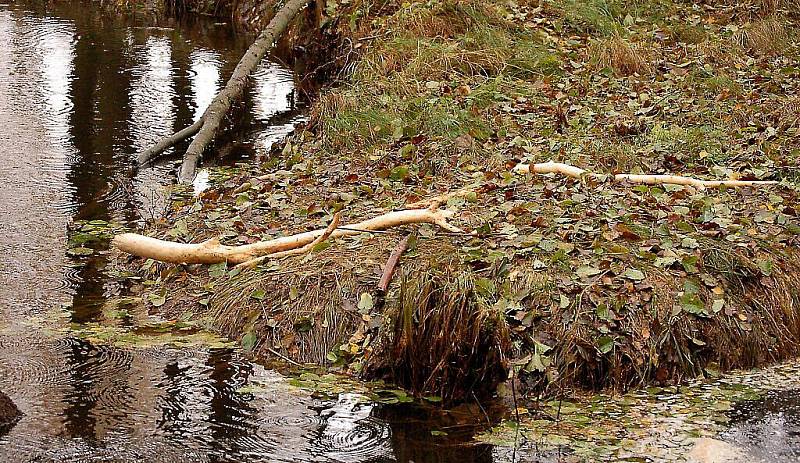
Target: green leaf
(249, 341)
(605, 344)
(399, 173)
(259, 294)
(765, 266)
(691, 303)
(633, 274)
(217, 270)
(365, 303)
(438, 433)
(157, 299)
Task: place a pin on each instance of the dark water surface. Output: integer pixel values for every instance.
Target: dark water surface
(80, 94)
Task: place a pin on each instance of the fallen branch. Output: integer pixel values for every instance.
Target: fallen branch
(576, 172)
(252, 263)
(152, 153)
(391, 264)
(212, 252)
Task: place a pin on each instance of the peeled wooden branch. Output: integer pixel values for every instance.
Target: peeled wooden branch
(437, 201)
(212, 252)
(576, 172)
(297, 251)
(214, 114)
(391, 264)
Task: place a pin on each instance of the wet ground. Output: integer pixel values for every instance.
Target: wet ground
(80, 94)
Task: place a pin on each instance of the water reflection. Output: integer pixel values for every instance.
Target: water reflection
(769, 428)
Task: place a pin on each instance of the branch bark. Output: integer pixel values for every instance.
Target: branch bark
(212, 252)
(152, 153)
(214, 114)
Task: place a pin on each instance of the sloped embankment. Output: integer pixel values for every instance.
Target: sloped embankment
(570, 282)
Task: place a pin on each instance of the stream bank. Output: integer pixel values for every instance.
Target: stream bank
(573, 284)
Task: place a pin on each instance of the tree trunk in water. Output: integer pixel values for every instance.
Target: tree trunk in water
(152, 153)
(215, 113)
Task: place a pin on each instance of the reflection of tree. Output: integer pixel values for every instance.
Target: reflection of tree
(78, 418)
(229, 412)
(412, 439)
(97, 124)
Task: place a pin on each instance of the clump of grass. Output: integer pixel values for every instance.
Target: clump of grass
(593, 15)
(619, 54)
(686, 143)
(717, 85)
(447, 340)
(766, 36)
(689, 33)
(772, 7)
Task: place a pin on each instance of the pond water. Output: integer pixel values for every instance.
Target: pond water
(80, 94)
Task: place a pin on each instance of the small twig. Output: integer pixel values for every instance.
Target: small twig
(391, 264)
(516, 415)
(283, 357)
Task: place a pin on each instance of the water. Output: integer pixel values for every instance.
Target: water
(769, 428)
(80, 93)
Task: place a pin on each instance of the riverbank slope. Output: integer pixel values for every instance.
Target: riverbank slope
(570, 283)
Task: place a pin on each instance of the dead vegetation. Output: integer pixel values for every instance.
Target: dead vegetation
(624, 57)
(765, 36)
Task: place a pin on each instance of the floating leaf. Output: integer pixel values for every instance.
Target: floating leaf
(249, 341)
(80, 251)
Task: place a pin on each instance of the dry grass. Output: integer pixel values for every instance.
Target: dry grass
(766, 36)
(624, 57)
(447, 339)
